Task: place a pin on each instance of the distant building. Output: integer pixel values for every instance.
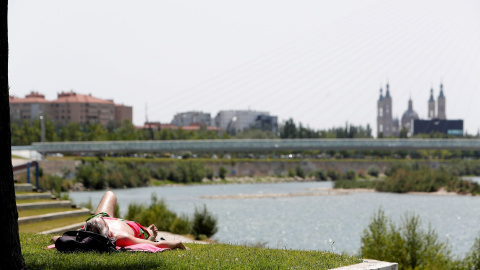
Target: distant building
(69, 107)
(386, 125)
(156, 126)
(438, 122)
(408, 117)
(450, 127)
(266, 122)
(30, 107)
(235, 121)
(189, 118)
(123, 112)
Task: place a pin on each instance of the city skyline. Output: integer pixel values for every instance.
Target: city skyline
(321, 64)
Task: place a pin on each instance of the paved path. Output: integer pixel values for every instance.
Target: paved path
(170, 237)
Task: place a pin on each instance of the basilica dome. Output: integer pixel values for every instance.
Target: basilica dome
(408, 116)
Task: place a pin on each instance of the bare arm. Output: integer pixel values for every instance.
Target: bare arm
(128, 240)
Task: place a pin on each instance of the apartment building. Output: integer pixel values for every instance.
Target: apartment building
(69, 107)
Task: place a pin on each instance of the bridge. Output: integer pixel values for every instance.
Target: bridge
(252, 145)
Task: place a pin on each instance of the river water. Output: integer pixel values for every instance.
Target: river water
(326, 223)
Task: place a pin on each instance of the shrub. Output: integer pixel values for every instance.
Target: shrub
(209, 173)
(472, 260)
(409, 245)
(350, 175)
(98, 174)
(160, 173)
(203, 223)
(299, 172)
(55, 184)
(362, 173)
(181, 225)
(373, 171)
(333, 175)
(291, 173)
(321, 175)
(158, 213)
(222, 172)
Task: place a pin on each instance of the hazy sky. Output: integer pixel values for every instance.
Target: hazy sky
(320, 62)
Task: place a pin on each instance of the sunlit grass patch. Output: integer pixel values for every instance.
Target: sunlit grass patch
(35, 212)
(34, 201)
(50, 224)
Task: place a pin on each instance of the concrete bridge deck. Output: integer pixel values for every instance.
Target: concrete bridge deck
(254, 145)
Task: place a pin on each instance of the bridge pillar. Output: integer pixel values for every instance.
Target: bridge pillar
(36, 175)
(28, 172)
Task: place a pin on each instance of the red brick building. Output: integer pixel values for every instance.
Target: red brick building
(69, 107)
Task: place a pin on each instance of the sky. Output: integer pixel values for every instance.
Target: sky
(321, 63)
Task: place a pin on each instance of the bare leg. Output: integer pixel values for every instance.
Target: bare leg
(107, 204)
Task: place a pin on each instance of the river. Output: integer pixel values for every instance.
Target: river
(326, 223)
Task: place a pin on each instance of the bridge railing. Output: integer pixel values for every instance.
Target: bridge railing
(256, 145)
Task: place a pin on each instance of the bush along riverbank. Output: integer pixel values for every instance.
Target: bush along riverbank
(411, 177)
(104, 173)
(411, 245)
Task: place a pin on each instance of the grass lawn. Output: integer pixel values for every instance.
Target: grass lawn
(50, 224)
(214, 256)
(36, 212)
(34, 201)
(25, 192)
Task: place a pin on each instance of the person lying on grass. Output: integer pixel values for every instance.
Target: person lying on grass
(125, 232)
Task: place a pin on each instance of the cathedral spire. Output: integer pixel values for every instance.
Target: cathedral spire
(431, 95)
(387, 94)
(441, 91)
(381, 95)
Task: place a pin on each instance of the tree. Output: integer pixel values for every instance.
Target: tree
(10, 252)
(289, 130)
(404, 133)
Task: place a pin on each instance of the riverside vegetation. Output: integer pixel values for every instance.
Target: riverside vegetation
(410, 176)
(102, 173)
(411, 245)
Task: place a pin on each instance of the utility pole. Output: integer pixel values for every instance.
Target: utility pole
(42, 125)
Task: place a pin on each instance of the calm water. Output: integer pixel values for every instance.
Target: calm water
(312, 222)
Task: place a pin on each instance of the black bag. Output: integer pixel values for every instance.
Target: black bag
(84, 241)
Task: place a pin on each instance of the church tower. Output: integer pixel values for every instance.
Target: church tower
(380, 115)
(388, 127)
(431, 106)
(441, 105)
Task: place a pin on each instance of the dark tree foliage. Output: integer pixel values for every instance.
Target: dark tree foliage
(10, 252)
(289, 130)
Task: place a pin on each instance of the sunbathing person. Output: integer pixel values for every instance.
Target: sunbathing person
(125, 232)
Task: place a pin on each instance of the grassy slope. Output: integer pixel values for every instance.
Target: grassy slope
(36, 212)
(50, 224)
(200, 257)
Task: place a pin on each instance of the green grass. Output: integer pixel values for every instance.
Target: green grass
(50, 224)
(215, 256)
(35, 212)
(25, 192)
(34, 201)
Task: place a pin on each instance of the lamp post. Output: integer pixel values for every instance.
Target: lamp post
(42, 125)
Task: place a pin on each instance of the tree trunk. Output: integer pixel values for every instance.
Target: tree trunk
(10, 252)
